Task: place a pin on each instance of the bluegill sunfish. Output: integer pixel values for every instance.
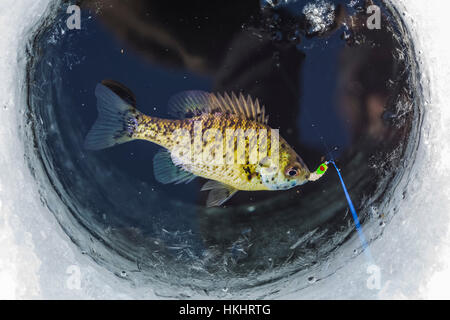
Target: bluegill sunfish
(200, 113)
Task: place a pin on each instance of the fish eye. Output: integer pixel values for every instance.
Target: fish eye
(292, 172)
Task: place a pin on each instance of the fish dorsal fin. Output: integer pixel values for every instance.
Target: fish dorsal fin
(188, 104)
(246, 107)
(166, 171)
(218, 194)
(194, 103)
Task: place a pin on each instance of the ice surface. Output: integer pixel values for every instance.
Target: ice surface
(38, 260)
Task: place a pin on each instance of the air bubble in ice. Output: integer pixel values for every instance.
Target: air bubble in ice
(374, 212)
(320, 15)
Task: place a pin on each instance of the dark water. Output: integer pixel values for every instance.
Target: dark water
(343, 93)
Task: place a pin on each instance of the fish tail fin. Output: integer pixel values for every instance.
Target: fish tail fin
(116, 123)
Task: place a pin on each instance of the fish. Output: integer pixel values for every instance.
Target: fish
(257, 158)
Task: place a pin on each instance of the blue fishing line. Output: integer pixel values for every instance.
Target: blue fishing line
(354, 214)
(330, 154)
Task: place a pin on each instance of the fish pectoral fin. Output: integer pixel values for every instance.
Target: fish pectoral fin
(166, 171)
(265, 162)
(219, 193)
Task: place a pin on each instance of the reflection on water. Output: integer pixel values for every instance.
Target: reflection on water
(340, 88)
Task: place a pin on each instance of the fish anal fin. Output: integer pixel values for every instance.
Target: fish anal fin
(219, 193)
(166, 171)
